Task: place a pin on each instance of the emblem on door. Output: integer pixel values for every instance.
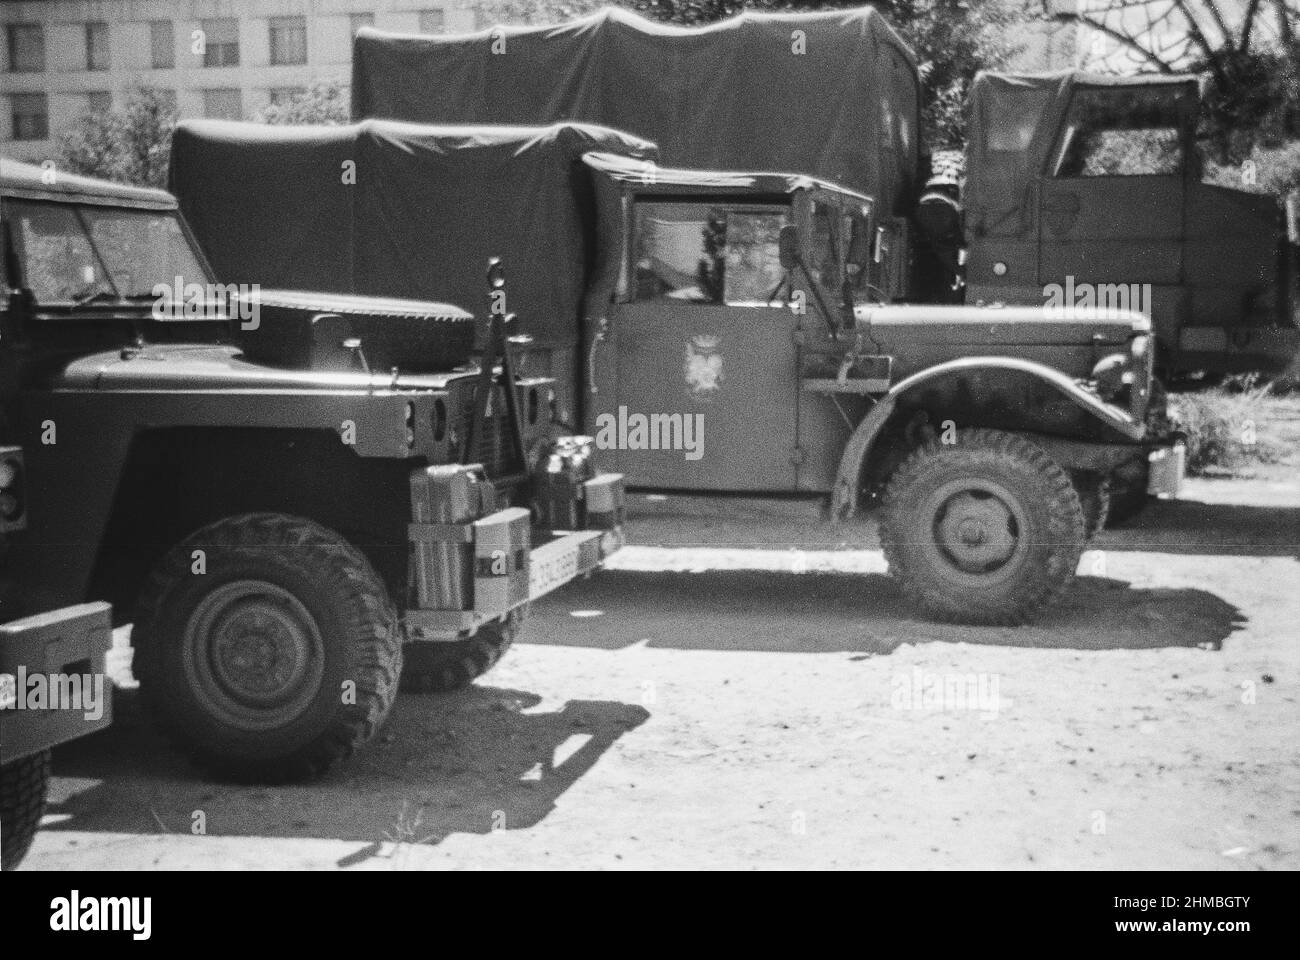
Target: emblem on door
(703, 368)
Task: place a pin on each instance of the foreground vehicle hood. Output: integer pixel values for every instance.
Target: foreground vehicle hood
(215, 367)
(905, 324)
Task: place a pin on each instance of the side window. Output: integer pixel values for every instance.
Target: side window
(57, 257)
(696, 253)
(1121, 133)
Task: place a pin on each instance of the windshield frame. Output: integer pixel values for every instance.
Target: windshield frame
(18, 243)
(845, 206)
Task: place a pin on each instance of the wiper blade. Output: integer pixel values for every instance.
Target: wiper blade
(93, 296)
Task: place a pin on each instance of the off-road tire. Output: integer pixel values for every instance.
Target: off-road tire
(1094, 496)
(987, 470)
(436, 667)
(23, 783)
(200, 663)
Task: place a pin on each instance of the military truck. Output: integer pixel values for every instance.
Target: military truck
(728, 334)
(1079, 187)
(280, 490)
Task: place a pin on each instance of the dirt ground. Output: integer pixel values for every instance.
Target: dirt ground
(744, 687)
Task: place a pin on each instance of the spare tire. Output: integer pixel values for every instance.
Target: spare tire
(275, 327)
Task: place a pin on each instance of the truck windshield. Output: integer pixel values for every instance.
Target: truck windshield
(79, 254)
(1122, 132)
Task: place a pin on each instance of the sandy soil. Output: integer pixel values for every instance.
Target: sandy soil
(719, 698)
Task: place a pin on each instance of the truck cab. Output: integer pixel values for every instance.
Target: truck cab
(1093, 186)
(717, 367)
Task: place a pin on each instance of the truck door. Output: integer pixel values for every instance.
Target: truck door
(1111, 202)
(706, 368)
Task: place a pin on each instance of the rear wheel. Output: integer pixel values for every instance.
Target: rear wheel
(23, 784)
(436, 667)
(267, 645)
(988, 530)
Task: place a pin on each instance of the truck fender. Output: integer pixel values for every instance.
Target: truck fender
(844, 496)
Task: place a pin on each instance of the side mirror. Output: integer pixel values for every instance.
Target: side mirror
(788, 244)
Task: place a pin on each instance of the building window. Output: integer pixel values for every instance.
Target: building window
(221, 42)
(433, 21)
(283, 96)
(99, 101)
(26, 48)
(97, 46)
(359, 20)
(223, 104)
(288, 41)
(31, 116)
(162, 45)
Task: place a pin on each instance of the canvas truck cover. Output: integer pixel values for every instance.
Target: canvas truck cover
(1012, 121)
(832, 95)
(400, 210)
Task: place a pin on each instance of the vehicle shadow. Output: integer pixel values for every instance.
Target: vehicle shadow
(1196, 527)
(474, 761)
(781, 611)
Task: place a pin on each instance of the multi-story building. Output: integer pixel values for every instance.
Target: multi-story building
(219, 58)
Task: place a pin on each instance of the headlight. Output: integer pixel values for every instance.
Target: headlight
(1112, 376)
(11, 488)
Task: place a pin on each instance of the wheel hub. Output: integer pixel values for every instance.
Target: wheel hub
(976, 530)
(258, 648)
(253, 653)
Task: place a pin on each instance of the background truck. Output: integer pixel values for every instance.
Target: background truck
(724, 338)
(279, 489)
(1077, 182)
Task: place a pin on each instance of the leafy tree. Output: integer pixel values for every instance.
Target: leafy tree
(534, 12)
(325, 101)
(131, 143)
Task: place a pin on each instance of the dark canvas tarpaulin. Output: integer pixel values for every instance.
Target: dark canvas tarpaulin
(833, 95)
(400, 209)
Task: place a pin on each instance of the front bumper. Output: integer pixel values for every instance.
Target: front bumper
(54, 685)
(1166, 469)
(473, 564)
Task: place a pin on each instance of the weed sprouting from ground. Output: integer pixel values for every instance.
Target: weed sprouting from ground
(1227, 428)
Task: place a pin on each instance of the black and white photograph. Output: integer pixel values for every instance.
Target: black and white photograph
(651, 435)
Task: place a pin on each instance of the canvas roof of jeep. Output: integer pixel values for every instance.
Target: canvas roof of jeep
(400, 209)
(31, 182)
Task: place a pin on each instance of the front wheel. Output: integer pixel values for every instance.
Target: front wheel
(987, 530)
(267, 645)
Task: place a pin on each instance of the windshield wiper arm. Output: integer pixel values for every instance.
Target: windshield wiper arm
(93, 296)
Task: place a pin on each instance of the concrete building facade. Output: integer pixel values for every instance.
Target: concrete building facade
(219, 58)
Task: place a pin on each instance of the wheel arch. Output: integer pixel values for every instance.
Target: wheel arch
(1003, 393)
(176, 480)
